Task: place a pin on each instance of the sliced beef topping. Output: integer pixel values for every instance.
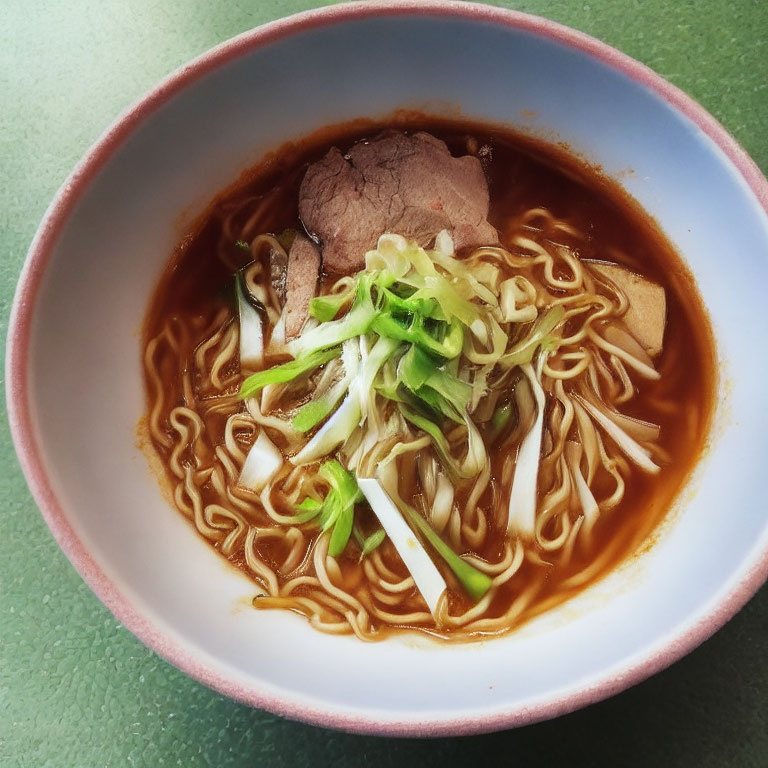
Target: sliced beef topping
(300, 283)
(278, 268)
(646, 315)
(408, 185)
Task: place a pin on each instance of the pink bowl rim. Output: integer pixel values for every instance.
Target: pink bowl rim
(613, 681)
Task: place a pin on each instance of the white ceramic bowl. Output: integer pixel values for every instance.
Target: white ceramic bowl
(75, 389)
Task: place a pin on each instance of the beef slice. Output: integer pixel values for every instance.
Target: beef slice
(301, 279)
(646, 316)
(407, 185)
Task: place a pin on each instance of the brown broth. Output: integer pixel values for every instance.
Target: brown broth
(523, 173)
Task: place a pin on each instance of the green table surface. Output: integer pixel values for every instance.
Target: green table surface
(76, 688)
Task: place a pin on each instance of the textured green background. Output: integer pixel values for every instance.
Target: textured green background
(77, 689)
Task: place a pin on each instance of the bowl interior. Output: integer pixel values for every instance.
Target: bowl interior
(85, 394)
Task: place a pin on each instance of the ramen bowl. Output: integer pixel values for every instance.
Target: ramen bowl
(76, 395)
